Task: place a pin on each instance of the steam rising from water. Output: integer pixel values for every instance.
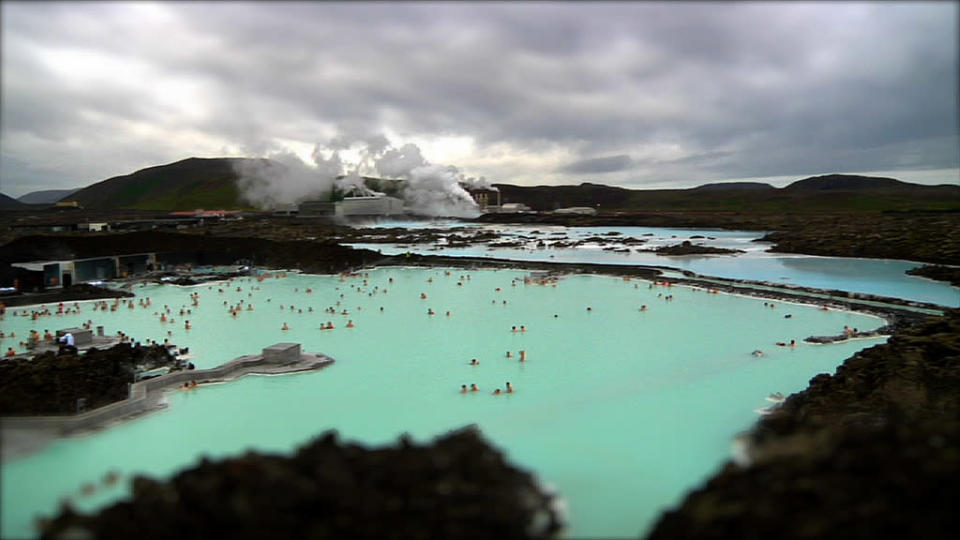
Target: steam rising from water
(428, 189)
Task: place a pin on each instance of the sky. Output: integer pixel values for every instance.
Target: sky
(644, 95)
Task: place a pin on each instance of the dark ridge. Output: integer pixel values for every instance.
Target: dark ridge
(847, 181)
(183, 185)
(9, 203)
(722, 186)
(553, 197)
(48, 196)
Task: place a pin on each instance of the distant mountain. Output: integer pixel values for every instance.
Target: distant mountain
(212, 183)
(9, 203)
(720, 186)
(183, 185)
(847, 181)
(47, 196)
(553, 197)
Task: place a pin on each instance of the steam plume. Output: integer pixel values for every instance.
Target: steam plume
(430, 189)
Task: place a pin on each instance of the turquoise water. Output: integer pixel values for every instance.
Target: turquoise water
(622, 411)
(881, 277)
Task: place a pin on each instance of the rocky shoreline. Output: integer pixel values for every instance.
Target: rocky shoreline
(458, 486)
(929, 237)
(869, 452)
(52, 383)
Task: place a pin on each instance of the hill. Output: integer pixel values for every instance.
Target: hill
(733, 185)
(847, 181)
(48, 196)
(831, 193)
(212, 183)
(9, 203)
(184, 185)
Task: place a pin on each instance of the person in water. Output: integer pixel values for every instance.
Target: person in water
(509, 388)
(463, 389)
(497, 392)
(473, 388)
(474, 362)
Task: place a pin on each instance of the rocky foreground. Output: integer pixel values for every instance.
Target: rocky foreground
(872, 451)
(456, 487)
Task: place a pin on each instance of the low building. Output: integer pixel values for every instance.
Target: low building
(67, 272)
(581, 210)
(514, 208)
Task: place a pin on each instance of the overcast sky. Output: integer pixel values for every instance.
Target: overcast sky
(641, 95)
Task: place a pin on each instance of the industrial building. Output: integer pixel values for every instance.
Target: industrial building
(370, 205)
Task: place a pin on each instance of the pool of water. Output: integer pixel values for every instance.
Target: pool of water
(882, 277)
(621, 410)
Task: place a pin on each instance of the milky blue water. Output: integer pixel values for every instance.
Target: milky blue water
(882, 277)
(621, 410)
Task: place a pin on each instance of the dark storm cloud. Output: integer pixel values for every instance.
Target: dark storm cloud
(642, 92)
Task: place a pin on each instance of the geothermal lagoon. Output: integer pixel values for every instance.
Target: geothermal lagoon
(620, 410)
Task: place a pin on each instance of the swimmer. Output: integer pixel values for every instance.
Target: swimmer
(589, 308)
(509, 354)
(509, 388)
(757, 353)
(473, 388)
(497, 392)
(523, 328)
(350, 323)
(285, 327)
(474, 362)
(523, 356)
(423, 296)
(429, 311)
(463, 389)
(186, 325)
(513, 329)
(448, 314)
(643, 307)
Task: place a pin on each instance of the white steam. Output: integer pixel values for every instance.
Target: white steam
(428, 189)
(283, 178)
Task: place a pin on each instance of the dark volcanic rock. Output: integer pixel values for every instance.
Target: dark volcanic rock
(75, 293)
(52, 383)
(940, 273)
(309, 256)
(870, 452)
(688, 248)
(456, 487)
